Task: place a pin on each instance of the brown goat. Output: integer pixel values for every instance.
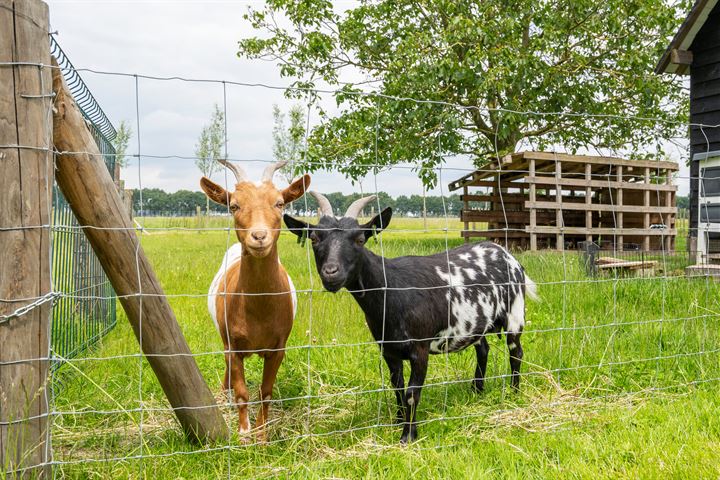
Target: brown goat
(252, 299)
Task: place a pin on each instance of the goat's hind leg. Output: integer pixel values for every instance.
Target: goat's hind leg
(481, 351)
(516, 355)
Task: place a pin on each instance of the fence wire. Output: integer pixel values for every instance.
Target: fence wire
(595, 336)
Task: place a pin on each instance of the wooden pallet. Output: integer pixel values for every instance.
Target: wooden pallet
(610, 263)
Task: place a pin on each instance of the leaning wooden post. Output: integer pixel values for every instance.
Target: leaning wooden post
(93, 197)
(25, 199)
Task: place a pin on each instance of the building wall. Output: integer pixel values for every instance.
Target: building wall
(704, 101)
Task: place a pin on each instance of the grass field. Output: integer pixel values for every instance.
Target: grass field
(618, 382)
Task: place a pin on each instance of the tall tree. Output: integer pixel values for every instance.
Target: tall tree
(120, 144)
(210, 147)
(480, 70)
(289, 141)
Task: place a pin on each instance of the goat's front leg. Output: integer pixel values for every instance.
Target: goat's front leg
(237, 379)
(270, 369)
(395, 366)
(418, 370)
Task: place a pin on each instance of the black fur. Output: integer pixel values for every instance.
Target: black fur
(486, 281)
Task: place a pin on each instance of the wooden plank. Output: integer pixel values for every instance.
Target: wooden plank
(629, 265)
(510, 233)
(588, 202)
(604, 231)
(25, 186)
(498, 216)
(600, 160)
(578, 183)
(559, 238)
(494, 183)
(598, 207)
(510, 198)
(704, 89)
(646, 215)
(91, 193)
(705, 139)
(681, 57)
(705, 105)
(619, 217)
(466, 206)
(705, 73)
(533, 211)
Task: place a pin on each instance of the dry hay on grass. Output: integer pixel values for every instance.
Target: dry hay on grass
(546, 407)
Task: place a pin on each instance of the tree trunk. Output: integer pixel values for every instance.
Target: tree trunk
(424, 210)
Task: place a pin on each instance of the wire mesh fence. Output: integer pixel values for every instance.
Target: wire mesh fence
(590, 339)
(79, 321)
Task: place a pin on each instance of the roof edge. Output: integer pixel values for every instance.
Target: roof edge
(685, 36)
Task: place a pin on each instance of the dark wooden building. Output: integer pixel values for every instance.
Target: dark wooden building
(695, 51)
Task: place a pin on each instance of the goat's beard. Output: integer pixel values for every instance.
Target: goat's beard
(258, 252)
(333, 286)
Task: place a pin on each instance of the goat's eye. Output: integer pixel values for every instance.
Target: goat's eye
(360, 241)
(279, 204)
(314, 239)
(234, 207)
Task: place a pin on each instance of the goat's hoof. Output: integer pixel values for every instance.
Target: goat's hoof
(244, 435)
(478, 385)
(408, 437)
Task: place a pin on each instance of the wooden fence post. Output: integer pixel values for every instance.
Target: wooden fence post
(88, 187)
(25, 199)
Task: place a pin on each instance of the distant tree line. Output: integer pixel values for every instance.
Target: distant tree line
(682, 201)
(185, 202)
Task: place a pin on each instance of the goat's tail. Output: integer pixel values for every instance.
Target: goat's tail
(531, 289)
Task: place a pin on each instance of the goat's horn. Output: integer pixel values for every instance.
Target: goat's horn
(269, 171)
(240, 174)
(323, 203)
(356, 207)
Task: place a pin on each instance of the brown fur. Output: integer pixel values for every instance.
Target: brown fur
(255, 323)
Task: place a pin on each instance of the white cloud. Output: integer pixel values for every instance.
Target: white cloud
(194, 39)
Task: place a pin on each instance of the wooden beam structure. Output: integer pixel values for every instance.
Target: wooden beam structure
(86, 184)
(560, 200)
(26, 178)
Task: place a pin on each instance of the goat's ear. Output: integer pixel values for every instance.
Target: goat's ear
(378, 223)
(215, 192)
(298, 227)
(296, 189)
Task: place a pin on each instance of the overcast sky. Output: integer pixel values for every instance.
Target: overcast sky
(194, 39)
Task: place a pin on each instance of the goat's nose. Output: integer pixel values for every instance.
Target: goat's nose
(259, 235)
(330, 269)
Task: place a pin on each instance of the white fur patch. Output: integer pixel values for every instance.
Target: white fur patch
(233, 256)
(516, 316)
(462, 307)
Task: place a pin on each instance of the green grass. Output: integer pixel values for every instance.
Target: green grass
(618, 382)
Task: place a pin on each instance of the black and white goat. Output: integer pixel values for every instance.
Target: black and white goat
(418, 305)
